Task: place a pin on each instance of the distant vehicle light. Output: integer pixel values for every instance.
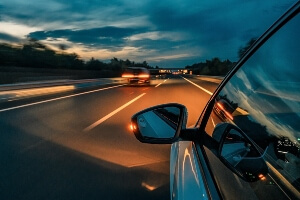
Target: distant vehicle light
(262, 177)
(132, 76)
(143, 76)
(127, 75)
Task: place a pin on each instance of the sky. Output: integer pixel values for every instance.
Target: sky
(165, 33)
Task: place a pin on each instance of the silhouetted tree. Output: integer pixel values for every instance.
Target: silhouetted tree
(214, 67)
(244, 49)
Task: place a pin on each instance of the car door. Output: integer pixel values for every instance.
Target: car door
(261, 97)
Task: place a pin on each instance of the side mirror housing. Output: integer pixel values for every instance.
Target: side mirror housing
(239, 153)
(159, 124)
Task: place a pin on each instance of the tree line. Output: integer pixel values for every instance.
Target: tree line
(34, 54)
(213, 67)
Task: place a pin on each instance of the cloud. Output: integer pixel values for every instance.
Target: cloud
(16, 30)
(8, 38)
(157, 35)
(153, 28)
(105, 37)
(169, 57)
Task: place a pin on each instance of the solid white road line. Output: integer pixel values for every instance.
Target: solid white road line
(111, 114)
(205, 90)
(55, 99)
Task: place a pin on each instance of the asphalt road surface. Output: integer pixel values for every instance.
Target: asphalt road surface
(79, 146)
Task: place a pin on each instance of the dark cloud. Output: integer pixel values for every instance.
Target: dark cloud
(8, 38)
(112, 37)
(207, 28)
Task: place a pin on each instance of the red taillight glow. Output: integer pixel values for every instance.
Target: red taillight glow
(132, 127)
(262, 177)
(132, 76)
(220, 106)
(127, 75)
(143, 76)
(228, 115)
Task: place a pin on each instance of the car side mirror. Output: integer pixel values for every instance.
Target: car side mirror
(159, 124)
(239, 153)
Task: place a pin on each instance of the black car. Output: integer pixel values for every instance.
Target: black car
(137, 75)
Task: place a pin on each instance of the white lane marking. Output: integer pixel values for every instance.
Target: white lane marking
(205, 90)
(55, 99)
(161, 83)
(111, 114)
(158, 85)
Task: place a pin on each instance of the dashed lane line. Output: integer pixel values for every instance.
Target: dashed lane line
(111, 114)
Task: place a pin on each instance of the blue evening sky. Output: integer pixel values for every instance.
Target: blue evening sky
(167, 33)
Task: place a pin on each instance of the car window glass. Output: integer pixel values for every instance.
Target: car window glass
(263, 100)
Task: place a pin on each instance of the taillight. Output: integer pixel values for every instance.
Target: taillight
(227, 114)
(143, 76)
(127, 75)
(132, 127)
(220, 106)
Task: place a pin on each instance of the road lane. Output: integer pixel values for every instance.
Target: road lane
(112, 114)
(202, 88)
(46, 154)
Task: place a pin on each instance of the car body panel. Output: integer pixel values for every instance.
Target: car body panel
(186, 180)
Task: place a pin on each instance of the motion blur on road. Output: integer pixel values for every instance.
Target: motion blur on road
(78, 145)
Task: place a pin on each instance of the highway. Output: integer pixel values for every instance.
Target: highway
(78, 145)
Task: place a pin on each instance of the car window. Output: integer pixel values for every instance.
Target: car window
(263, 100)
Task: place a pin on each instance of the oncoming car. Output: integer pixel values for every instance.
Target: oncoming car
(246, 143)
(137, 75)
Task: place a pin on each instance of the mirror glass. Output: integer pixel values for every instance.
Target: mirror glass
(243, 156)
(159, 123)
(236, 147)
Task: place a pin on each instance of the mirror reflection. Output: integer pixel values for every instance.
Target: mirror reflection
(243, 156)
(236, 147)
(159, 123)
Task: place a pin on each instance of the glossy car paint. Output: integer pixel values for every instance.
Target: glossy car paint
(186, 181)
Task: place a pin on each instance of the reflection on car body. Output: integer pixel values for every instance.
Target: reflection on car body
(169, 115)
(224, 109)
